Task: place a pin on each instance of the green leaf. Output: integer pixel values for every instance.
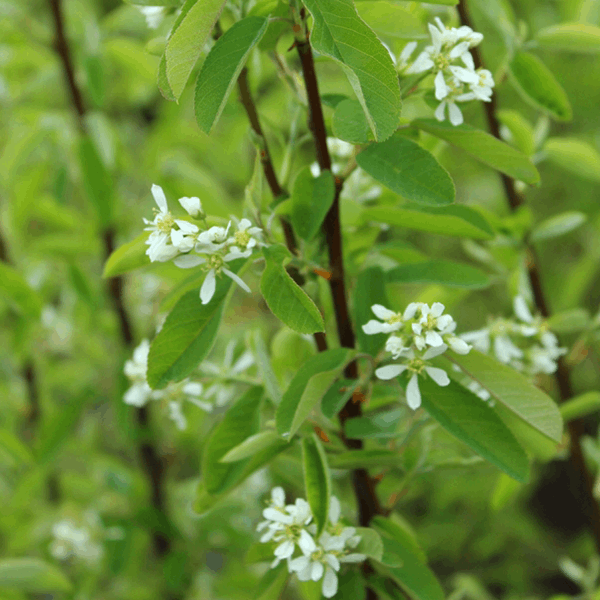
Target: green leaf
(317, 481)
(573, 37)
(307, 388)
(505, 490)
(369, 290)
(312, 198)
(558, 225)
(370, 543)
(473, 422)
(575, 156)
(286, 299)
(409, 170)
(569, 321)
(94, 72)
(580, 406)
(350, 124)
(97, 181)
(250, 446)
(128, 257)
(175, 3)
(513, 390)
(337, 395)
(32, 575)
(241, 420)
(364, 459)
(521, 131)
(383, 425)
(441, 272)
(263, 362)
(15, 448)
(18, 293)
(222, 67)
(163, 82)
(538, 86)
(394, 527)
(485, 148)
(457, 221)
(391, 20)
(342, 35)
(272, 583)
(190, 34)
(188, 334)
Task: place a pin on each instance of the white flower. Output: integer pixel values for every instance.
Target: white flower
(339, 149)
(405, 55)
(192, 206)
(184, 238)
(416, 365)
(70, 540)
(430, 326)
(392, 321)
(153, 15)
(176, 415)
(454, 113)
(135, 369)
(213, 239)
(244, 239)
(395, 345)
(214, 264)
(482, 87)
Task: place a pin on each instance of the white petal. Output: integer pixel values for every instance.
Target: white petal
(522, 310)
(381, 312)
(437, 309)
(459, 346)
(456, 116)
(465, 75)
(459, 50)
(440, 111)
(441, 89)
(422, 63)
(285, 549)
(335, 510)
(468, 60)
(353, 558)
(410, 311)
(306, 543)
(189, 261)
(137, 394)
(186, 226)
(413, 395)
(207, 290)
(316, 571)
(193, 388)
(390, 371)
(330, 584)
(299, 564)
(272, 514)
(373, 327)
(191, 205)
(433, 338)
(244, 224)
(407, 52)
(238, 280)
(438, 375)
(332, 561)
(278, 496)
(433, 352)
(160, 198)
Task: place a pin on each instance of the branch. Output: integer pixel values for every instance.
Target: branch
(149, 456)
(562, 376)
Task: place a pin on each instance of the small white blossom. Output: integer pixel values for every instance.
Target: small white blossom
(72, 541)
(192, 206)
(391, 321)
(135, 369)
(244, 239)
(153, 15)
(213, 239)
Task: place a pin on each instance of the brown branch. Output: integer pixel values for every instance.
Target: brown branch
(149, 456)
(562, 376)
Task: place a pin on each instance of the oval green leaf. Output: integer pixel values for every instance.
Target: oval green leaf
(128, 257)
(573, 37)
(442, 272)
(350, 124)
(409, 170)
(250, 446)
(32, 575)
(558, 225)
(317, 481)
(312, 198)
(576, 156)
(580, 406)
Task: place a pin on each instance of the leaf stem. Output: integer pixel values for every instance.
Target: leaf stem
(563, 376)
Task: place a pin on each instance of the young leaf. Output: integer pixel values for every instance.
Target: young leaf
(312, 198)
(307, 388)
(222, 67)
(409, 170)
(558, 225)
(455, 220)
(521, 130)
(250, 446)
(287, 301)
(538, 86)
(190, 33)
(32, 575)
(342, 35)
(187, 335)
(485, 148)
(573, 37)
(350, 124)
(14, 447)
(442, 272)
(241, 420)
(580, 406)
(576, 156)
(369, 290)
(18, 293)
(370, 543)
(97, 181)
(473, 422)
(128, 257)
(317, 482)
(514, 391)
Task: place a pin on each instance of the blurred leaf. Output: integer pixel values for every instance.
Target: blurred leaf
(188, 334)
(317, 481)
(576, 156)
(312, 198)
(391, 20)
(485, 148)
(369, 290)
(441, 272)
(473, 422)
(250, 446)
(222, 67)
(370, 543)
(94, 72)
(307, 388)
(558, 225)
(337, 395)
(97, 181)
(394, 527)
(458, 221)
(339, 33)
(573, 37)
(32, 575)
(514, 391)
(350, 124)
(241, 420)
(569, 321)
(175, 3)
(15, 448)
(128, 257)
(287, 301)
(520, 128)
(383, 425)
(272, 583)
(580, 406)
(538, 86)
(263, 362)
(364, 459)
(18, 293)
(505, 490)
(409, 170)
(187, 40)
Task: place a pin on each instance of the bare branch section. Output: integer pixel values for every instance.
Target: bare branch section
(148, 454)
(585, 491)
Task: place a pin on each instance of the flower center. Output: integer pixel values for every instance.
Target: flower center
(165, 222)
(214, 261)
(416, 365)
(242, 238)
(397, 318)
(441, 61)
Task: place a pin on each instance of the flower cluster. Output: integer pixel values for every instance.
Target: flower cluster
(173, 395)
(449, 59)
(289, 526)
(525, 342)
(419, 334)
(212, 247)
(71, 541)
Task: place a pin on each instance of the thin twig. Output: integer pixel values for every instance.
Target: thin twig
(562, 376)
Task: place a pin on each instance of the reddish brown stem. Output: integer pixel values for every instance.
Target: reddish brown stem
(563, 377)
